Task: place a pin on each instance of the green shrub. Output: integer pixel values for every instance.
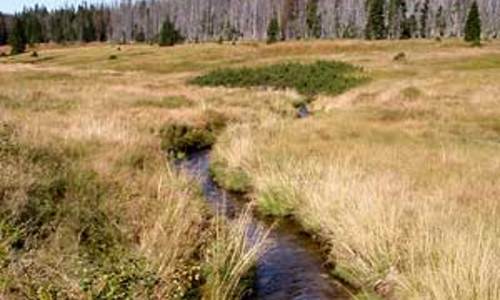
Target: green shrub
(401, 56)
(113, 57)
(181, 138)
(328, 77)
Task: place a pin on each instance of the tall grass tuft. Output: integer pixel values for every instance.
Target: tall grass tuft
(232, 256)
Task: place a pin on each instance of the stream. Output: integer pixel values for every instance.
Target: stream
(292, 267)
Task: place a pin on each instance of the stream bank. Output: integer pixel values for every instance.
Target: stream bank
(293, 267)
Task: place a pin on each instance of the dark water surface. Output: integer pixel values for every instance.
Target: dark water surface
(292, 268)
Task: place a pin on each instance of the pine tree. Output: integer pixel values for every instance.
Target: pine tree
(4, 35)
(394, 19)
(405, 22)
(169, 36)
(17, 38)
(139, 35)
(273, 31)
(375, 27)
(424, 16)
(473, 25)
(440, 21)
(313, 20)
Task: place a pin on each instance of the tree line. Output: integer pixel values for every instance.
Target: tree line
(203, 20)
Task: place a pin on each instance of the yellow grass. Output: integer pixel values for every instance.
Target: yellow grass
(399, 177)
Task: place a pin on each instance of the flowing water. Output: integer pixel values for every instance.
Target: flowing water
(292, 268)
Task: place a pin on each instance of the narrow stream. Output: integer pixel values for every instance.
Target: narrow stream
(292, 268)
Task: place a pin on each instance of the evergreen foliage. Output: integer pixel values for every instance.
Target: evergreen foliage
(328, 77)
(440, 21)
(169, 36)
(139, 35)
(273, 31)
(313, 20)
(424, 17)
(4, 35)
(33, 27)
(17, 38)
(375, 27)
(473, 25)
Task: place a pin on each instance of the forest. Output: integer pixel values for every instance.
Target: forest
(211, 20)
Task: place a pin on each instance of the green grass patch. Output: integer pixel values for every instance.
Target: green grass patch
(38, 104)
(276, 201)
(326, 77)
(411, 93)
(231, 179)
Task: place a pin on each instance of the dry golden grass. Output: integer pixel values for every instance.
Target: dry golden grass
(106, 121)
(400, 176)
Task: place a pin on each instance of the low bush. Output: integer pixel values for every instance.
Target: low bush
(328, 77)
(178, 139)
(113, 57)
(181, 139)
(401, 56)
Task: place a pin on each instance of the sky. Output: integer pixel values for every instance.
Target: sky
(12, 6)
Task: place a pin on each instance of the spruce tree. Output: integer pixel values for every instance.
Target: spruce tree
(440, 21)
(424, 16)
(3, 31)
(394, 19)
(169, 36)
(273, 31)
(313, 20)
(473, 25)
(375, 27)
(17, 38)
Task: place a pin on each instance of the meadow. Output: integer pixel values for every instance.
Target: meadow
(398, 176)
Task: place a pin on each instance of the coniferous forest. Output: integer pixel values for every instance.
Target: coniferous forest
(205, 20)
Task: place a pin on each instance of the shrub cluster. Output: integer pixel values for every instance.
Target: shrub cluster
(328, 77)
(181, 139)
